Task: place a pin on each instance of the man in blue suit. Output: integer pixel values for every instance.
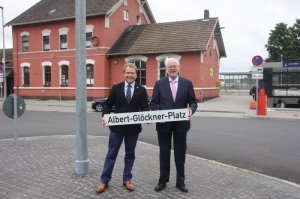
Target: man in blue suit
(127, 96)
(173, 92)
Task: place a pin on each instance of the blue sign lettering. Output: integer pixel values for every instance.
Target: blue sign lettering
(291, 64)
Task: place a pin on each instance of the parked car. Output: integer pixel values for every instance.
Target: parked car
(98, 104)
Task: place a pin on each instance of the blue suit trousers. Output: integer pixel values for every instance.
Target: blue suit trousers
(114, 144)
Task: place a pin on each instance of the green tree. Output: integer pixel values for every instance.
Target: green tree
(284, 41)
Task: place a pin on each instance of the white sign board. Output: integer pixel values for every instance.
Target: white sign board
(257, 69)
(257, 76)
(1, 74)
(146, 116)
(1, 79)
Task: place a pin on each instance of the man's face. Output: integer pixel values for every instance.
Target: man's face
(172, 69)
(130, 75)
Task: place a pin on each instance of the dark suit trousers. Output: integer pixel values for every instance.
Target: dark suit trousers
(114, 144)
(179, 143)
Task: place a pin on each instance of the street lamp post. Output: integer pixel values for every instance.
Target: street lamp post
(3, 59)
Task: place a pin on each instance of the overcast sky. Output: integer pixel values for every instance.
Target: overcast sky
(247, 23)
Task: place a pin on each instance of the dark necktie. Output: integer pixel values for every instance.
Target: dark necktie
(128, 93)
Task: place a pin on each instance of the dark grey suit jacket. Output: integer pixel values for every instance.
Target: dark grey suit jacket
(162, 100)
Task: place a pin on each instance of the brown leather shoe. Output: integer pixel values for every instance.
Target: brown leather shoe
(101, 187)
(128, 185)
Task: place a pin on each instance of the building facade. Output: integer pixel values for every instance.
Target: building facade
(44, 53)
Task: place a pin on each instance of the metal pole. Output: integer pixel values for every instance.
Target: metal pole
(1, 94)
(281, 71)
(15, 97)
(82, 161)
(256, 98)
(3, 59)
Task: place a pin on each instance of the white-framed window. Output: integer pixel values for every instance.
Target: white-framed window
(126, 15)
(25, 74)
(25, 43)
(46, 73)
(90, 72)
(46, 43)
(138, 20)
(63, 38)
(140, 62)
(46, 39)
(89, 34)
(64, 73)
(161, 64)
(141, 72)
(90, 75)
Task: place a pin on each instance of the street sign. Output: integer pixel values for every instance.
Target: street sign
(257, 60)
(291, 64)
(1, 69)
(257, 69)
(1, 79)
(257, 76)
(8, 107)
(1, 74)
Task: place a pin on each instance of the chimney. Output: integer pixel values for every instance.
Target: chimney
(206, 14)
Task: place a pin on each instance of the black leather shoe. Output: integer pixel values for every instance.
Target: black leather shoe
(160, 186)
(181, 187)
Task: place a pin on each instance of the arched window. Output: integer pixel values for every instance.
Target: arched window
(63, 38)
(162, 70)
(25, 45)
(89, 35)
(90, 75)
(26, 76)
(46, 39)
(47, 76)
(141, 72)
(140, 62)
(161, 63)
(64, 75)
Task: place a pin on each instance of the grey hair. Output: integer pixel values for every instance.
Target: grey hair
(169, 59)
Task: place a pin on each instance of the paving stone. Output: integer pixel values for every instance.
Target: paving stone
(44, 167)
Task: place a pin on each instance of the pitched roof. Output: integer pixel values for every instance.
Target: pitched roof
(64, 9)
(179, 36)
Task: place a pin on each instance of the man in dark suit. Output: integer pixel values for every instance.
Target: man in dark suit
(173, 92)
(127, 96)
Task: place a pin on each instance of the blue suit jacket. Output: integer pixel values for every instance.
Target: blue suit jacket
(139, 102)
(162, 100)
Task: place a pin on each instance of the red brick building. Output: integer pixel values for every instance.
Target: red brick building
(117, 31)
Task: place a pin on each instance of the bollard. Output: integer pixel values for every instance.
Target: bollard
(262, 103)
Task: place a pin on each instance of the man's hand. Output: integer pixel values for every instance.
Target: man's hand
(190, 114)
(103, 121)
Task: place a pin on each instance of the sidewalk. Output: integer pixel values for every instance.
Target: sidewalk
(44, 167)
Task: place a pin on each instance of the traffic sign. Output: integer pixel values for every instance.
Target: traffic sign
(8, 107)
(257, 60)
(1, 69)
(291, 64)
(257, 76)
(1, 75)
(257, 69)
